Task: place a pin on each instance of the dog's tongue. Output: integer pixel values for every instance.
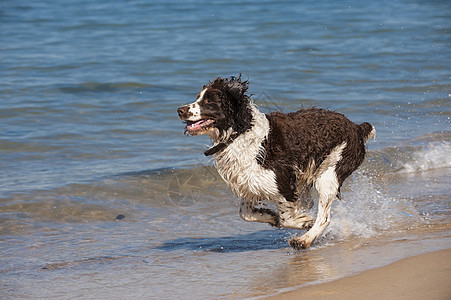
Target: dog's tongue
(198, 125)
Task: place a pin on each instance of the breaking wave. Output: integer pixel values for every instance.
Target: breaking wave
(431, 157)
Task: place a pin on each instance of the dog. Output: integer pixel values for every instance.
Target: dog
(278, 156)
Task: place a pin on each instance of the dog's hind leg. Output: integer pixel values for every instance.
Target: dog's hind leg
(327, 186)
(249, 213)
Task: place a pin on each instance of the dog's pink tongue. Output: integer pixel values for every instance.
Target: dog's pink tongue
(198, 125)
(195, 126)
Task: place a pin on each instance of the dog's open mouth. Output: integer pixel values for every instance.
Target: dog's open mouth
(194, 127)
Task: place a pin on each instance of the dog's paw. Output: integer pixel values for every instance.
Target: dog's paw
(299, 243)
(276, 223)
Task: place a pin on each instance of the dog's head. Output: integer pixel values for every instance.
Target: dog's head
(222, 108)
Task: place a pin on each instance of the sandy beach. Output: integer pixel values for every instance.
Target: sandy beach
(426, 276)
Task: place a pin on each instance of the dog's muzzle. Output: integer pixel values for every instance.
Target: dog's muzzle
(183, 112)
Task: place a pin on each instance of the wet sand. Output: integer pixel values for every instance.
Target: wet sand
(426, 276)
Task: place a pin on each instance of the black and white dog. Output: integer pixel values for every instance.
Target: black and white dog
(277, 157)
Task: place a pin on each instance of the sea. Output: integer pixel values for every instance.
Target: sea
(102, 196)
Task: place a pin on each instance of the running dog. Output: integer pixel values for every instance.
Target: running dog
(277, 157)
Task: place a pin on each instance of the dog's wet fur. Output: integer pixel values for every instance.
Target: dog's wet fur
(277, 157)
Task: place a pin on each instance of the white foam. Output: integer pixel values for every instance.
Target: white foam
(434, 156)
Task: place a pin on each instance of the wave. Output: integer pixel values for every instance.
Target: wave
(432, 157)
(422, 154)
(104, 87)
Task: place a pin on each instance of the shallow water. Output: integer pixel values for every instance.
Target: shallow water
(102, 196)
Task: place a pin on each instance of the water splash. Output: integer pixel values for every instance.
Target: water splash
(366, 211)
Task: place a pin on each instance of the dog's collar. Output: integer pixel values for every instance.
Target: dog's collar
(221, 146)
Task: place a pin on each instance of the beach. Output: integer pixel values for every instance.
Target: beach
(425, 276)
(103, 196)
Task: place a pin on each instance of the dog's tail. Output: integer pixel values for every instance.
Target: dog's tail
(367, 131)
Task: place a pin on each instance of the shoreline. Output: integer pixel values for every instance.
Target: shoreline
(424, 276)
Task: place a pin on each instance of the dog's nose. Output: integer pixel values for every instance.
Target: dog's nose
(182, 110)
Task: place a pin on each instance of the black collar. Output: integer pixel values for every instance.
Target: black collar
(221, 146)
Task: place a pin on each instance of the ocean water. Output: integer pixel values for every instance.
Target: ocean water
(103, 197)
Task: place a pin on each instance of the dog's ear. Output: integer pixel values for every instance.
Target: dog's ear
(232, 89)
(235, 103)
(236, 88)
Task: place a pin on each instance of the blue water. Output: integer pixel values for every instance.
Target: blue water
(88, 99)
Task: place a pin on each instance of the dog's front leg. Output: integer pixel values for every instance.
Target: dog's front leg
(249, 213)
